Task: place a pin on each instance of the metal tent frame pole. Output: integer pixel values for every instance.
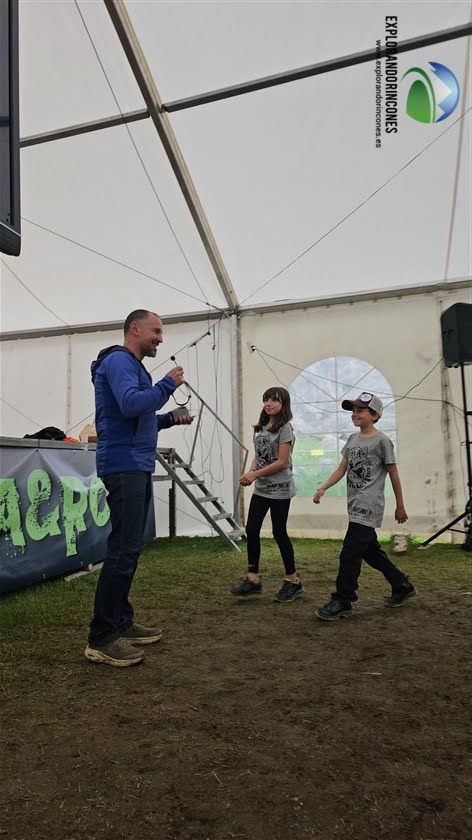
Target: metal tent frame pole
(315, 69)
(130, 43)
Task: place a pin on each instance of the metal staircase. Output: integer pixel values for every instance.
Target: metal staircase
(182, 475)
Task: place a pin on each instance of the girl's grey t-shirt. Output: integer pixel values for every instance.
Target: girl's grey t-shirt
(279, 485)
(367, 459)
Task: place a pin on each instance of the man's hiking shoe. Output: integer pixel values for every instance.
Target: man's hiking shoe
(400, 595)
(139, 635)
(333, 610)
(119, 654)
(290, 591)
(246, 587)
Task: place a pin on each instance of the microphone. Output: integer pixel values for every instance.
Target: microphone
(181, 409)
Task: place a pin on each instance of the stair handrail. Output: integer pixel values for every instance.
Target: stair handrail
(235, 438)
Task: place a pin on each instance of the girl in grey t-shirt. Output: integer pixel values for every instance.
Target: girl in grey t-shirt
(271, 470)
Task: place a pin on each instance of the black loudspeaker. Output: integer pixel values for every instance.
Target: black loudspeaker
(456, 331)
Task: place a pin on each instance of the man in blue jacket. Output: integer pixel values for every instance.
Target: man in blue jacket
(126, 402)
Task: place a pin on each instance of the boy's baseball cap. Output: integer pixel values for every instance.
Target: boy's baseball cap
(364, 400)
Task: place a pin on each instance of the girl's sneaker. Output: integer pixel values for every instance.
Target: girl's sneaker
(290, 591)
(246, 587)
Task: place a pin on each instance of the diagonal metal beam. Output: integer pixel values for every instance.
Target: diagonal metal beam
(315, 69)
(124, 29)
(460, 283)
(107, 326)
(83, 128)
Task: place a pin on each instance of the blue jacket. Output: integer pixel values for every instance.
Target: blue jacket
(126, 402)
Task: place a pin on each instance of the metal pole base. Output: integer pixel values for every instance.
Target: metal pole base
(446, 528)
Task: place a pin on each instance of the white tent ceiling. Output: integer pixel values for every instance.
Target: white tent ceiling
(283, 172)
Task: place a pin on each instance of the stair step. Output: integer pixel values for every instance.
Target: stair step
(195, 481)
(223, 515)
(203, 499)
(184, 466)
(235, 535)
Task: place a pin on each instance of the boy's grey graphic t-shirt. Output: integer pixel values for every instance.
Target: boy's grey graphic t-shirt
(367, 459)
(279, 485)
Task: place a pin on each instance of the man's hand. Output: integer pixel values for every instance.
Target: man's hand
(177, 375)
(400, 514)
(184, 420)
(318, 495)
(247, 478)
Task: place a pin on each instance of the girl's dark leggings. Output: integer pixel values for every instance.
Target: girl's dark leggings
(279, 509)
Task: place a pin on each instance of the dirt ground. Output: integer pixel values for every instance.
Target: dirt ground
(249, 720)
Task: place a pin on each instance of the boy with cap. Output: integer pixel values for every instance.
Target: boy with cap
(367, 458)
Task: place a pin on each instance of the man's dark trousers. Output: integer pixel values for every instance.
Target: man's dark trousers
(361, 543)
(129, 497)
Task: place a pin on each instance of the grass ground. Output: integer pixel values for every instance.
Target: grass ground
(251, 719)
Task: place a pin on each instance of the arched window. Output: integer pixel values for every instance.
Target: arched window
(322, 427)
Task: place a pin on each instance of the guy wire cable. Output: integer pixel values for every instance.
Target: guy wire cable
(397, 397)
(119, 262)
(191, 343)
(216, 430)
(308, 373)
(355, 209)
(139, 155)
(161, 364)
(18, 411)
(35, 296)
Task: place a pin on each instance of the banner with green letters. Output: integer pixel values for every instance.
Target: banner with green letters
(54, 517)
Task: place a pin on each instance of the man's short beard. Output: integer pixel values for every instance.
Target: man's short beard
(149, 350)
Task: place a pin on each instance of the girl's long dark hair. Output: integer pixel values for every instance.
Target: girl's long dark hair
(285, 414)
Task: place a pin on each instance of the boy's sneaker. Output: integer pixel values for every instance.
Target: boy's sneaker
(246, 587)
(119, 654)
(139, 635)
(290, 591)
(333, 610)
(400, 595)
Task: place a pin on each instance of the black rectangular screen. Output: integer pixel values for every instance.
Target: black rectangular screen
(10, 241)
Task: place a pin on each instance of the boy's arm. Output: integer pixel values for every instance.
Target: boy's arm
(333, 479)
(400, 512)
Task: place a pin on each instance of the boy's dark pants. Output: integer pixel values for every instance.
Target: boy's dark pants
(361, 543)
